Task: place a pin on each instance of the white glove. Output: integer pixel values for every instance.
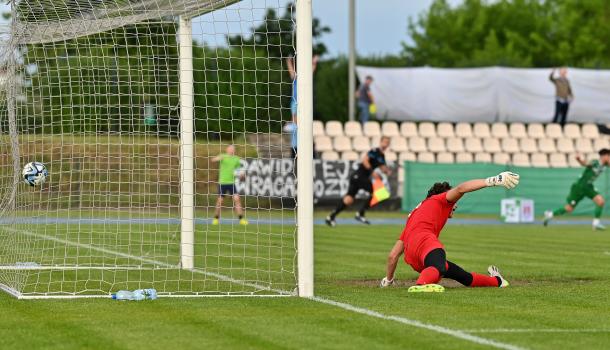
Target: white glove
(506, 179)
(385, 282)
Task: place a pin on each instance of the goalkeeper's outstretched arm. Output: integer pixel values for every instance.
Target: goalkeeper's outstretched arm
(506, 179)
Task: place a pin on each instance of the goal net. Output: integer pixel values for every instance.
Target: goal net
(128, 103)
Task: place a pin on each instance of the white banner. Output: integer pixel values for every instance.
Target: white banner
(485, 94)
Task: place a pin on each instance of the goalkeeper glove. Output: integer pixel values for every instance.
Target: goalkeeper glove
(506, 179)
(385, 282)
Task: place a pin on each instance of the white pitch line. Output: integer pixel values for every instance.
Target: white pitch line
(607, 253)
(534, 330)
(414, 323)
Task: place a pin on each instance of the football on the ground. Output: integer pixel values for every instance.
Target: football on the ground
(34, 173)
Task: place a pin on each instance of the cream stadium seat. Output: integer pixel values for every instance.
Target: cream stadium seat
(334, 128)
(391, 156)
(540, 160)
(436, 145)
(517, 130)
(481, 130)
(342, 144)
(445, 130)
(601, 142)
(371, 129)
(535, 131)
(547, 145)
(572, 162)
(361, 144)
(417, 144)
(482, 157)
(572, 131)
(473, 145)
(375, 141)
(408, 129)
(401, 177)
(445, 157)
(350, 155)
(590, 131)
(501, 158)
(499, 130)
(353, 129)
(426, 129)
(407, 157)
(554, 131)
(464, 130)
(318, 128)
(521, 159)
(463, 157)
(565, 145)
(510, 145)
(426, 157)
(558, 160)
(390, 129)
(330, 155)
(583, 145)
(528, 145)
(491, 145)
(455, 145)
(399, 144)
(323, 143)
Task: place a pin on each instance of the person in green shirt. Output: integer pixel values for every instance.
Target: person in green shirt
(583, 187)
(228, 165)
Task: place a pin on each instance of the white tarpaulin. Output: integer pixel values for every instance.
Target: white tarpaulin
(485, 94)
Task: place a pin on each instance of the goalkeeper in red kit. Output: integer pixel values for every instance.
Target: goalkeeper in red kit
(421, 247)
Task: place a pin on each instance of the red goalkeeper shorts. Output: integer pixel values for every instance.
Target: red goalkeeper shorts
(417, 248)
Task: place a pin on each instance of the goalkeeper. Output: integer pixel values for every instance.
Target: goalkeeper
(583, 187)
(421, 247)
(229, 164)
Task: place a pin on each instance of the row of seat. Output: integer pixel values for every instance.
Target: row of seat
(557, 160)
(449, 130)
(456, 145)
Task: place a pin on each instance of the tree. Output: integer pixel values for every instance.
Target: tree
(515, 33)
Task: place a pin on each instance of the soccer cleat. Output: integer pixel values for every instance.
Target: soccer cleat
(494, 272)
(330, 221)
(215, 222)
(243, 221)
(597, 226)
(362, 219)
(426, 288)
(548, 215)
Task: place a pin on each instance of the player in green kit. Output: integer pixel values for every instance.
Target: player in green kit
(229, 163)
(583, 187)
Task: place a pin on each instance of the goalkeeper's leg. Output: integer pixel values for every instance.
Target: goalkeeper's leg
(473, 279)
(218, 208)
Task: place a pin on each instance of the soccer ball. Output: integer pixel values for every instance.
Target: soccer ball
(34, 173)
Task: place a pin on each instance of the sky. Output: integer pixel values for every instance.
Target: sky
(381, 25)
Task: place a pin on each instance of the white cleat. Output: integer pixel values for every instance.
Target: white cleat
(330, 221)
(597, 226)
(548, 215)
(494, 272)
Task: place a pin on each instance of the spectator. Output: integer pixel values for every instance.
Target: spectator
(563, 95)
(291, 126)
(365, 99)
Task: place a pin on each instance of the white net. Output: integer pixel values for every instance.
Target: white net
(92, 89)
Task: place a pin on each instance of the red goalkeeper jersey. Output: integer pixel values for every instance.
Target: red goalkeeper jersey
(428, 217)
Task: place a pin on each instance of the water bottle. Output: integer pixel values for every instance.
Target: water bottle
(136, 295)
(148, 294)
(123, 295)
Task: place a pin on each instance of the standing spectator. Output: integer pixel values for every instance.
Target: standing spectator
(291, 126)
(365, 99)
(563, 95)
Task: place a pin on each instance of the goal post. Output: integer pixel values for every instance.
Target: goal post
(131, 107)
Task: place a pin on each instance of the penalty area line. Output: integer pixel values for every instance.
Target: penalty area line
(464, 335)
(535, 330)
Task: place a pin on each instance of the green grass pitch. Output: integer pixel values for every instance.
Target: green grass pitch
(558, 299)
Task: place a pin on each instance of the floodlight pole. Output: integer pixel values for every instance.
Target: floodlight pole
(187, 156)
(304, 147)
(352, 60)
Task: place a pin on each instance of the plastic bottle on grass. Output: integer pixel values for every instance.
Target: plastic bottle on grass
(137, 295)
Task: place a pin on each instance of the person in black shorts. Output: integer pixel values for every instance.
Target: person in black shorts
(361, 180)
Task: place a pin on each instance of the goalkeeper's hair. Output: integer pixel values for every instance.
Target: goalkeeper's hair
(604, 152)
(438, 188)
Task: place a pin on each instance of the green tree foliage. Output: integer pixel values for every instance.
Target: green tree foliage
(515, 33)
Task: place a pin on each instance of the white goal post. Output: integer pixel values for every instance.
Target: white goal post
(129, 105)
